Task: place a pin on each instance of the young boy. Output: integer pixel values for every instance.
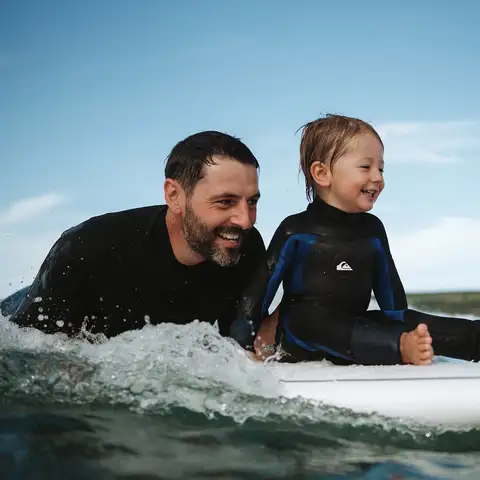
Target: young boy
(332, 255)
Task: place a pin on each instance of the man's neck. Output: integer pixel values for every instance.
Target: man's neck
(181, 250)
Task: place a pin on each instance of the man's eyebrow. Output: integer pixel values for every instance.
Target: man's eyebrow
(226, 195)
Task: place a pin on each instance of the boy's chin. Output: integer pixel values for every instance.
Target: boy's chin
(365, 207)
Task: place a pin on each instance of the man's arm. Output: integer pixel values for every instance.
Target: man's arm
(53, 303)
(252, 256)
(259, 293)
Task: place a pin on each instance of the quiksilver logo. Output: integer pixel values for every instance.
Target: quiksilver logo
(344, 267)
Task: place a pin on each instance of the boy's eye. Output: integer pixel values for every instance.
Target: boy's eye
(367, 167)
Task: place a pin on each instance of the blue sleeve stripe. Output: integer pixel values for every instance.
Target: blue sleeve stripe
(305, 243)
(277, 275)
(287, 258)
(395, 314)
(381, 280)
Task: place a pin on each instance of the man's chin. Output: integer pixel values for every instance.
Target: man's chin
(226, 257)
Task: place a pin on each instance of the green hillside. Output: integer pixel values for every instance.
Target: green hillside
(463, 303)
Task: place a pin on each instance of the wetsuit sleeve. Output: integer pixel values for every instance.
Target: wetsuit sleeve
(258, 295)
(387, 286)
(50, 304)
(452, 337)
(251, 259)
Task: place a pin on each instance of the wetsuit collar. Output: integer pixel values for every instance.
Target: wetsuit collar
(320, 207)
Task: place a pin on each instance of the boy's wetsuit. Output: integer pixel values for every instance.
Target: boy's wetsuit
(329, 262)
(116, 272)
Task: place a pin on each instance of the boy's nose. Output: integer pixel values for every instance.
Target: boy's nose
(377, 175)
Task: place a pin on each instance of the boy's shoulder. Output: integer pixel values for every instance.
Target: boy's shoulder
(295, 223)
(295, 220)
(374, 225)
(371, 218)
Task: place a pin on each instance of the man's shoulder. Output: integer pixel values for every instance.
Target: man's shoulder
(134, 220)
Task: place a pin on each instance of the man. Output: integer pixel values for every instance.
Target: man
(187, 260)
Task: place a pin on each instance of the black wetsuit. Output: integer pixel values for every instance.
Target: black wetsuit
(117, 271)
(330, 262)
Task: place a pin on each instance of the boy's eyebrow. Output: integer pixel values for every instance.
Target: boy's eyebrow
(371, 159)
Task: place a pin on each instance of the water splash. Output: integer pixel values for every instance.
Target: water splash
(158, 369)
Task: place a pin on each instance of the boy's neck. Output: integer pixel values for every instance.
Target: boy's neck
(325, 198)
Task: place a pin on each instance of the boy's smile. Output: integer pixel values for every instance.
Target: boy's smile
(355, 180)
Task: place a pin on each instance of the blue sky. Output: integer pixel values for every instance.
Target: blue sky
(93, 95)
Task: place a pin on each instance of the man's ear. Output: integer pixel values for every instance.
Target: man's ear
(321, 174)
(174, 195)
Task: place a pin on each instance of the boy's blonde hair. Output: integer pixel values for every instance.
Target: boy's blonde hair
(326, 140)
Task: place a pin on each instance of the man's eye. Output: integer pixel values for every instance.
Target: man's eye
(225, 203)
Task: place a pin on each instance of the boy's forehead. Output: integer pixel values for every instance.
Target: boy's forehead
(367, 145)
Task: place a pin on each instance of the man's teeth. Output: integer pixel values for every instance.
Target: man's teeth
(229, 236)
(369, 192)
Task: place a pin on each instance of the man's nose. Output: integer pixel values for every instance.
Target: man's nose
(244, 215)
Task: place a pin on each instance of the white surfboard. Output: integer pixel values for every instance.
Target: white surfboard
(438, 394)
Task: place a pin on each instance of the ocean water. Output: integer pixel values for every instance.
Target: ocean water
(180, 402)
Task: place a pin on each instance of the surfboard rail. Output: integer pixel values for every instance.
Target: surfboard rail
(437, 394)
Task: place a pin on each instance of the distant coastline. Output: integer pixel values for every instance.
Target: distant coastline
(454, 303)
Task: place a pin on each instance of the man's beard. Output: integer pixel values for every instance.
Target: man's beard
(201, 240)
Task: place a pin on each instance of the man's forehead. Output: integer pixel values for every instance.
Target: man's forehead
(229, 176)
(227, 169)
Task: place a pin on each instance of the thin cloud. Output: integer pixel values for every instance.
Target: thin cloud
(430, 142)
(427, 259)
(28, 208)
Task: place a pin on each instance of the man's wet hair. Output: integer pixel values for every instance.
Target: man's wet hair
(187, 161)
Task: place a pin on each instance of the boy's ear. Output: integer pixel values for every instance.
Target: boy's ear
(320, 174)
(174, 195)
